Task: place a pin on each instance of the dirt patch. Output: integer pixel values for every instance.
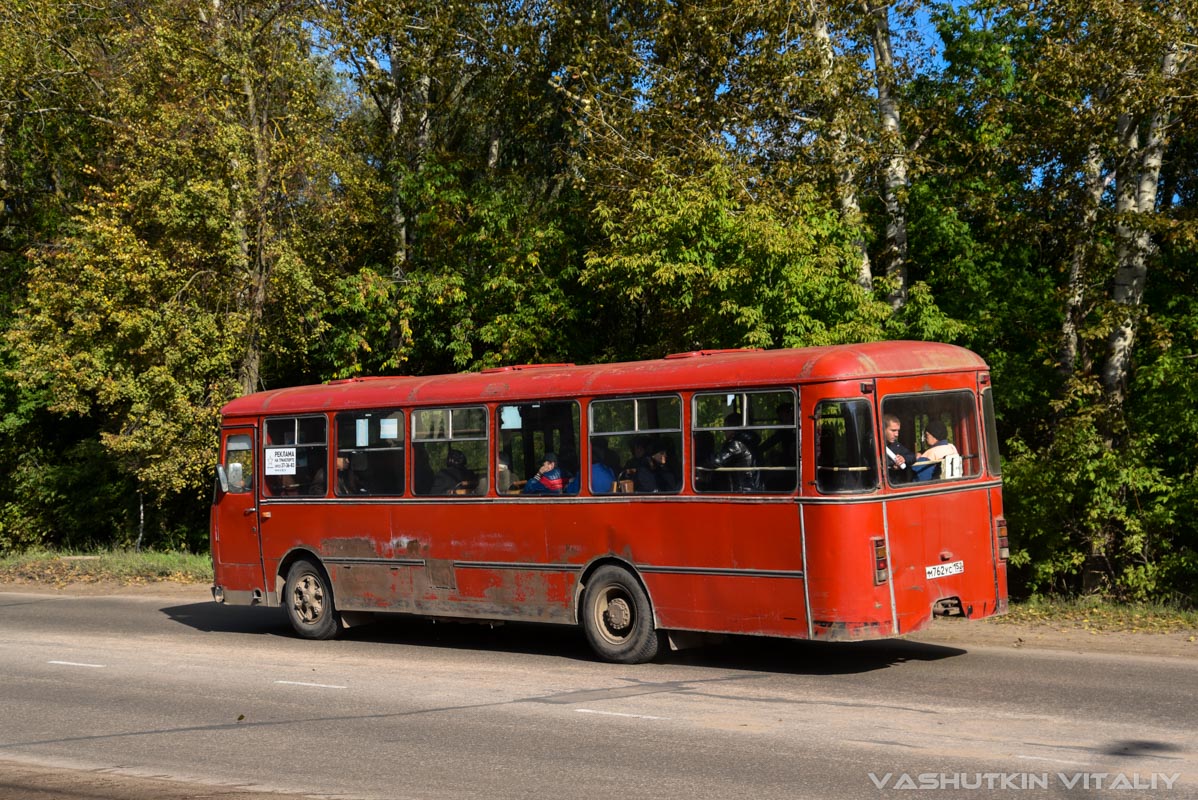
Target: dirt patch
(35, 782)
(1049, 635)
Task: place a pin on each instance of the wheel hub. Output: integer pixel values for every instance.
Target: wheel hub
(309, 599)
(618, 615)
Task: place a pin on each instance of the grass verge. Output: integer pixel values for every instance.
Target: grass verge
(125, 567)
(1100, 616)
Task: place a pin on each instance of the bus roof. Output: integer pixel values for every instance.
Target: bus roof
(699, 369)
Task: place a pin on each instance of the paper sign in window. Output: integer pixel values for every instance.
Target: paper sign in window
(280, 461)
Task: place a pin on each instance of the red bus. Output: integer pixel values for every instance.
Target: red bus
(713, 492)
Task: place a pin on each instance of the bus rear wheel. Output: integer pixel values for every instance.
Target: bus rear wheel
(308, 598)
(618, 619)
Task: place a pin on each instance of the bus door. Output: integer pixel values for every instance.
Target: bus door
(236, 543)
(938, 514)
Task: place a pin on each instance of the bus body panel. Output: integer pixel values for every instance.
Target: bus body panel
(846, 603)
(707, 566)
(235, 541)
(945, 531)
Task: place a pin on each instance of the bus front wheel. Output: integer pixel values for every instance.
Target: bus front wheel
(618, 619)
(308, 598)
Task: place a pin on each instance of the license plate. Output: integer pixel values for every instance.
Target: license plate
(943, 570)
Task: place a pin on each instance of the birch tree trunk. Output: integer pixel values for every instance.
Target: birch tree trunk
(894, 181)
(1136, 194)
(1093, 187)
(846, 175)
(251, 299)
(260, 258)
(395, 120)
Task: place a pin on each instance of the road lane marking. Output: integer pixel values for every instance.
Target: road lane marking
(615, 714)
(314, 685)
(75, 664)
(1053, 760)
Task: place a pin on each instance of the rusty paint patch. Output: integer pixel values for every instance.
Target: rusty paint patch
(441, 574)
(348, 548)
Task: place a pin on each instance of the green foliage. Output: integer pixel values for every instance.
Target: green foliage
(199, 200)
(1088, 515)
(67, 499)
(694, 261)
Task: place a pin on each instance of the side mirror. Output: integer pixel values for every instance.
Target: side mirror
(223, 478)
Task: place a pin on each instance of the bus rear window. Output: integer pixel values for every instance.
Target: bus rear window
(937, 436)
(844, 447)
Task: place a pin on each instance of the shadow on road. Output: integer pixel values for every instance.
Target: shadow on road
(215, 618)
(738, 652)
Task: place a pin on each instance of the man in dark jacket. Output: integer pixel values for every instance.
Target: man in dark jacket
(736, 457)
(898, 457)
(455, 478)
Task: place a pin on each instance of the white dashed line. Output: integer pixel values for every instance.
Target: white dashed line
(615, 714)
(75, 664)
(314, 685)
(1053, 760)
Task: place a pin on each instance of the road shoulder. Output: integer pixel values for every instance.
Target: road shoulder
(954, 632)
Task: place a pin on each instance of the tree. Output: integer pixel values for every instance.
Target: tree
(1089, 118)
(182, 270)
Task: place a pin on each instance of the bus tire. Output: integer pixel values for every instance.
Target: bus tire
(308, 598)
(617, 617)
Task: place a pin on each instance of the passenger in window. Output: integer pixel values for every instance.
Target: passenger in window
(736, 457)
(571, 471)
(347, 480)
(603, 477)
(639, 461)
(780, 450)
(935, 437)
(898, 456)
(783, 439)
(548, 479)
(455, 478)
(657, 475)
(316, 486)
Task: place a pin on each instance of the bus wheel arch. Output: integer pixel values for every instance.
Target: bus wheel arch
(617, 614)
(308, 599)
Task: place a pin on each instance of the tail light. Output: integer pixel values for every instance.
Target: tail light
(881, 561)
(1004, 544)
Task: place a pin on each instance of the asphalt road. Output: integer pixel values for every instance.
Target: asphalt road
(132, 697)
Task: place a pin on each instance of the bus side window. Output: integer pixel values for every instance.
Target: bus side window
(370, 454)
(844, 447)
(745, 442)
(295, 457)
(449, 451)
(636, 445)
(526, 433)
